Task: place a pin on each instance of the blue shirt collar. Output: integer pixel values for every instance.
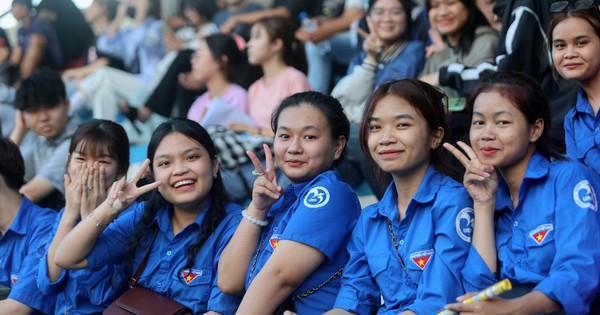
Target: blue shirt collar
(19, 224)
(583, 105)
(537, 168)
(163, 217)
(426, 193)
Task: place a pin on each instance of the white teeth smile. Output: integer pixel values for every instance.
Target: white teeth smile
(182, 183)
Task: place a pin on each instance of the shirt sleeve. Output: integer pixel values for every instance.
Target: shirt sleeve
(441, 282)
(359, 292)
(324, 225)
(220, 302)
(574, 274)
(113, 242)
(570, 143)
(297, 82)
(43, 282)
(25, 290)
(54, 169)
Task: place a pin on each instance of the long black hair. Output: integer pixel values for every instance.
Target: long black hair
(217, 197)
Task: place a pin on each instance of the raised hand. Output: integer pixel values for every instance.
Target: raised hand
(265, 191)
(73, 191)
(94, 193)
(480, 180)
(372, 44)
(122, 194)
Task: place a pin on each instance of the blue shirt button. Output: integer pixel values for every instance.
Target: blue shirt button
(169, 253)
(516, 223)
(401, 242)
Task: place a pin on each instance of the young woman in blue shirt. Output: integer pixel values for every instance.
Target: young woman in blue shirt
(96, 159)
(291, 243)
(188, 212)
(575, 42)
(408, 249)
(536, 221)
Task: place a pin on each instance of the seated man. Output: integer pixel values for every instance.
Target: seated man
(43, 107)
(23, 230)
(37, 45)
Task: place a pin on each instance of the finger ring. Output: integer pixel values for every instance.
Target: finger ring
(90, 187)
(255, 173)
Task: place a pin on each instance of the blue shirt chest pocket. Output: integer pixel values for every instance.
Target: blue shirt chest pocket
(193, 287)
(540, 247)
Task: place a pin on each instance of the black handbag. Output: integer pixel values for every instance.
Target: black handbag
(142, 301)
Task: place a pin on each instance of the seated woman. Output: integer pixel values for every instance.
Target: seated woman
(388, 53)
(188, 214)
(575, 41)
(96, 159)
(408, 248)
(24, 228)
(220, 64)
(536, 220)
(468, 37)
(291, 244)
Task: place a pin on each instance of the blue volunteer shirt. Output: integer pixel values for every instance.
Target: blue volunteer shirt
(82, 291)
(321, 214)
(195, 288)
(22, 247)
(550, 239)
(433, 240)
(582, 133)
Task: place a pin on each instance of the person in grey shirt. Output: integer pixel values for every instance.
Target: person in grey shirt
(42, 107)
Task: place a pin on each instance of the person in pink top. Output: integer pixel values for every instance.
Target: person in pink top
(274, 48)
(220, 64)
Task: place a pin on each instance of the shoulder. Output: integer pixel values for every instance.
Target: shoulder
(452, 194)
(485, 30)
(325, 189)
(294, 74)
(415, 45)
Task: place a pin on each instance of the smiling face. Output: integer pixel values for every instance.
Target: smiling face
(500, 133)
(303, 144)
(81, 158)
(450, 17)
(576, 50)
(389, 19)
(399, 139)
(185, 170)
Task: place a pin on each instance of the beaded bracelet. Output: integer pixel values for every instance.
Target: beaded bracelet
(253, 219)
(98, 223)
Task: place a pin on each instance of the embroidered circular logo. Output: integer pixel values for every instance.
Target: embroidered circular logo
(316, 197)
(585, 196)
(464, 224)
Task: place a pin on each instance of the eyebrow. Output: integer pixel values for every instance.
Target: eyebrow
(502, 112)
(397, 117)
(188, 150)
(308, 127)
(82, 153)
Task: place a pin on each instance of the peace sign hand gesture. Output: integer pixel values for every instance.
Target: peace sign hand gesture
(122, 194)
(265, 191)
(372, 44)
(481, 180)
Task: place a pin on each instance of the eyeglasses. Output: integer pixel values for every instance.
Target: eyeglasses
(561, 6)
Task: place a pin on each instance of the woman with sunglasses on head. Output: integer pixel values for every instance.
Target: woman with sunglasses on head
(408, 249)
(536, 215)
(291, 244)
(575, 42)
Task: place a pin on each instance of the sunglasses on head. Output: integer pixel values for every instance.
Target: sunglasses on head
(561, 6)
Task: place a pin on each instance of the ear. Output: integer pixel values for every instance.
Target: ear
(339, 147)
(536, 130)
(215, 167)
(277, 45)
(436, 137)
(67, 104)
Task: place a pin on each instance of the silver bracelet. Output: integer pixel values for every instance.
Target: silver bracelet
(98, 223)
(253, 219)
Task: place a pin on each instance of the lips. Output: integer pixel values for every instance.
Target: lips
(294, 163)
(183, 183)
(386, 154)
(487, 151)
(572, 66)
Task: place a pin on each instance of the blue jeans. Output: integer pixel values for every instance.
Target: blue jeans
(320, 62)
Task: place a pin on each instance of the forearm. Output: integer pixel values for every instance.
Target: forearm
(12, 307)
(342, 23)
(237, 255)
(37, 189)
(79, 242)
(268, 290)
(338, 311)
(252, 17)
(484, 239)
(17, 135)
(33, 56)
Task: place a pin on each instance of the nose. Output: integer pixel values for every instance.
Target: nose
(179, 169)
(488, 132)
(570, 52)
(295, 146)
(387, 137)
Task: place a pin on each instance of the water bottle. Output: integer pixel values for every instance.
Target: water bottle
(309, 26)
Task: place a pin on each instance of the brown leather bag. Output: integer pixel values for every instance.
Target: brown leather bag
(142, 301)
